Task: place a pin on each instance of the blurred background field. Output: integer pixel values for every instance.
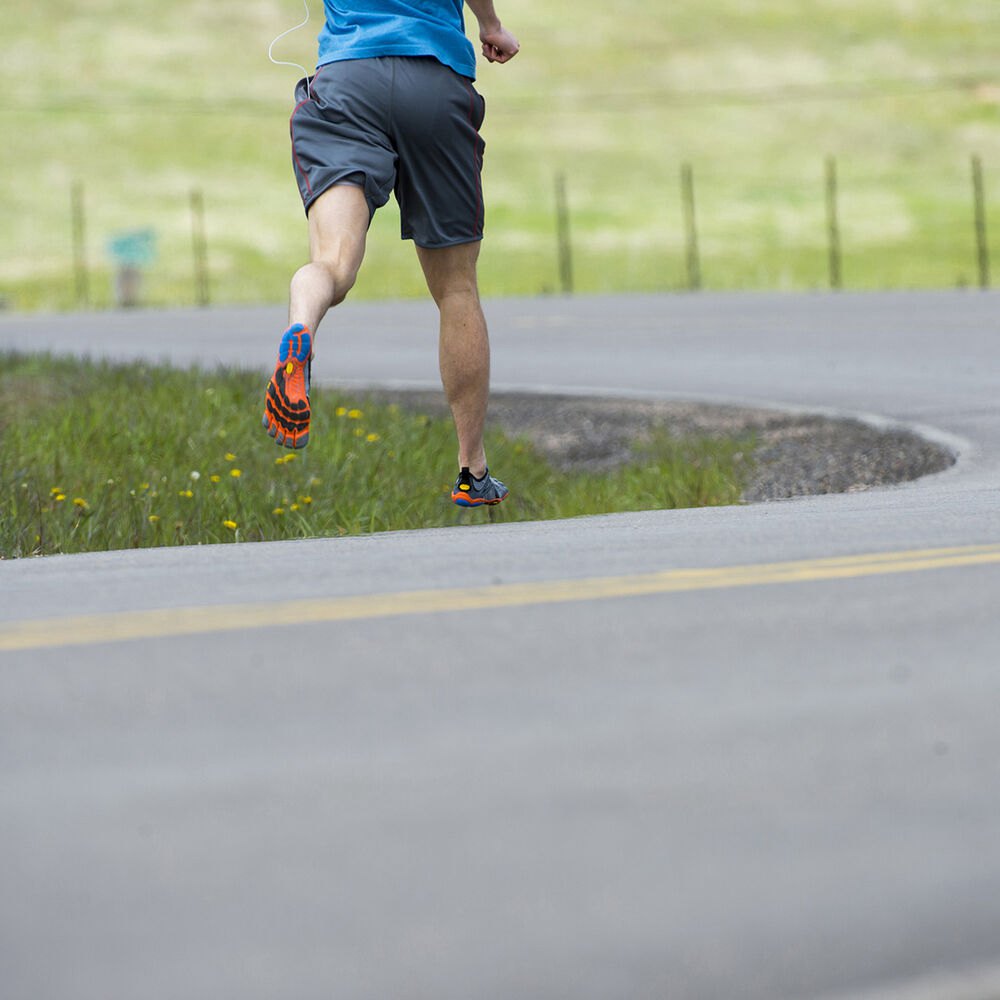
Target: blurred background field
(134, 107)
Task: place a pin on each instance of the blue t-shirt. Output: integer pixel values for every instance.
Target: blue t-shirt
(364, 29)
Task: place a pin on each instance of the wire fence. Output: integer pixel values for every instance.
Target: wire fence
(585, 103)
(839, 228)
(708, 227)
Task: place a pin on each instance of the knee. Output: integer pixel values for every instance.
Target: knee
(456, 295)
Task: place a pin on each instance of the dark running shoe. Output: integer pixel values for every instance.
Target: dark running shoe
(286, 407)
(470, 492)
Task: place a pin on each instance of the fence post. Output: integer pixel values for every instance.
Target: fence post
(81, 276)
(199, 248)
(982, 246)
(565, 248)
(690, 228)
(833, 225)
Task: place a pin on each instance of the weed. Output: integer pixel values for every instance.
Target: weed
(100, 456)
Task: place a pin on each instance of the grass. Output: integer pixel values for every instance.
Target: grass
(134, 456)
(143, 108)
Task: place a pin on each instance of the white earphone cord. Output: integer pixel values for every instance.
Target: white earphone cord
(270, 48)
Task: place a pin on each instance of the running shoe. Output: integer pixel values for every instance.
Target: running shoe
(286, 407)
(471, 492)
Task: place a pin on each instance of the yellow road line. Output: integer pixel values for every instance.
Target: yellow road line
(160, 623)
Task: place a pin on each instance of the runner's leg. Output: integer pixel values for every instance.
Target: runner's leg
(464, 347)
(338, 225)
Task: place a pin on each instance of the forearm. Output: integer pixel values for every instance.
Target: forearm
(485, 14)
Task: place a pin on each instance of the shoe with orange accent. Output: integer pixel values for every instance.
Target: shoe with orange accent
(286, 407)
(471, 492)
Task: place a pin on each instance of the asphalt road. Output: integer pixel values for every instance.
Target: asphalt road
(740, 752)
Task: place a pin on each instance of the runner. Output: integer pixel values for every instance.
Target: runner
(392, 108)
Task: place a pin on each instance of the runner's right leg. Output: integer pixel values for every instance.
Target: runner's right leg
(464, 353)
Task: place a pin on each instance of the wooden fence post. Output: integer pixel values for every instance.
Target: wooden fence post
(199, 248)
(982, 245)
(690, 228)
(833, 225)
(565, 247)
(81, 275)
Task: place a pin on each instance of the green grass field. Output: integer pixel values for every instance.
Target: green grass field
(111, 459)
(142, 104)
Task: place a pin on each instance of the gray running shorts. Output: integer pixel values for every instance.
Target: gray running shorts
(395, 123)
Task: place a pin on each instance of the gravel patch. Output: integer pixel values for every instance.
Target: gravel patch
(794, 454)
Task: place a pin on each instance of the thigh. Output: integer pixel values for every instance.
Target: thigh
(435, 129)
(338, 227)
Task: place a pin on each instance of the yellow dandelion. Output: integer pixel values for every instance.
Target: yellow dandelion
(81, 503)
(359, 432)
(185, 493)
(294, 506)
(278, 510)
(60, 497)
(153, 518)
(373, 437)
(55, 490)
(230, 457)
(305, 500)
(215, 479)
(235, 473)
(143, 486)
(354, 414)
(231, 525)
(341, 411)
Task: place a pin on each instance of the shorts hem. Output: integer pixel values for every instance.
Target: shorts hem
(442, 244)
(338, 178)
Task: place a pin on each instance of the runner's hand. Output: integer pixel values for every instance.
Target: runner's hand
(499, 45)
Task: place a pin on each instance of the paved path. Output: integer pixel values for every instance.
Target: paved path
(744, 752)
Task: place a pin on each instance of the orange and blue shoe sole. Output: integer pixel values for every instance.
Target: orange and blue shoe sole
(464, 500)
(286, 408)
